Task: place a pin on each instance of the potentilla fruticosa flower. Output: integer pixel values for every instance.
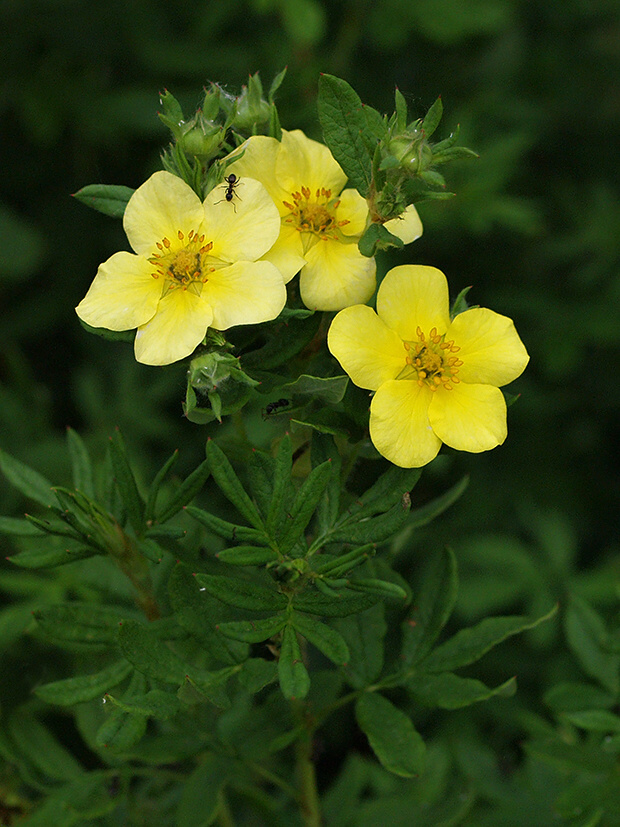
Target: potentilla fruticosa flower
(435, 379)
(194, 266)
(321, 223)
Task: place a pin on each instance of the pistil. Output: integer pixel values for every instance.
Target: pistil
(429, 363)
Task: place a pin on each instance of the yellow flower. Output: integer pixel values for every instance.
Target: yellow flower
(436, 380)
(321, 224)
(194, 267)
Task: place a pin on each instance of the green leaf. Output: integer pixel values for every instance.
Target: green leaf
(432, 118)
(424, 515)
(281, 484)
(253, 631)
(327, 640)
(41, 749)
(126, 482)
(594, 720)
(83, 687)
(436, 598)
(304, 506)
(337, 566)
(186, 492)
(257, 674)
(364, 634)
(377, 237)
(121, 730)
(242, 594)
(589, 640)
(110, 199)
(329, 390)
(200, 797)
(19, 527)
(383, 588)
(344, 126)
(391, 734)
(247, 556)
(371, 529)
(449, 691)
(83, 623)
(572, 696)
(32, 484)
(293, 675)
(47, 558)
(469, 645)
(323, 449)
(149, 511)
(80, 464)
(230, 484)
(154, 704)
(343, 605)
(386, 491)
(229, 531)
(149, 655)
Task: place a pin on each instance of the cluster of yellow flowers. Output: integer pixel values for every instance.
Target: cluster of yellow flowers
(226, 261)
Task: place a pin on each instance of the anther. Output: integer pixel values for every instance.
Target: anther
(180, 235)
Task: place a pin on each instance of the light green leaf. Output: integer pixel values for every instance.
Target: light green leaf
(327, 640)
(391, 734)
(110, 199)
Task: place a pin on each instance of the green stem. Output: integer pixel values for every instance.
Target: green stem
(224, 813)
(274, 779)
(308, 794)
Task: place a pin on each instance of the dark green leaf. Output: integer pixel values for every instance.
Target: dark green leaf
(469, 645)
(230, 484)
(84, 687)
(391, 734)
(149, 512)
(186, 492)
(449, 691)
(32, 484)
(364, 634)
(200, 797)
(594, 720)
(377, 237)
(121, 730)
(19, 527)
(84, 623)
(126, 482)
(344, 126)
(47, 558)
(40, 748)
(437, 595)
(281, 484)
(253, 631)
(110, 199)
(423, 515)
(359, 531)
(293, 675)
(247, 556)
(304, 506)
(327, 640)
(383, 588)
(80, 464)
(154, 704)
(386, 491)
(589, 640)
(401, 110)
(343, 605)
(275, 84)
(257, 674)
(329, 390)
(149, 655)
(229, 531)
(242, 594)
(323, 449)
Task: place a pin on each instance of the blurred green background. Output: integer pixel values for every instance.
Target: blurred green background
(534, 227)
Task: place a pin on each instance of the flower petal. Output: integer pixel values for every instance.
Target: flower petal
(406, 226)
(248, 292)
(286, 253)
(354, 210)
(366, 348)
(158, 209)
(491, 350)
(469, 417)
(337, 275)
(399, 425)
(244, 228)
(412, 296)
(259, 161)
(123, 294)
(304, 162)
(175, 331)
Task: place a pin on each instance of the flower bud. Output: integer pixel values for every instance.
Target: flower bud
(252, 109)
(202, 138)
(216, 387)
(412, 151)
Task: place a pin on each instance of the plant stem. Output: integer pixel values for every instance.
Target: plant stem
(308, 794)
(224, 813)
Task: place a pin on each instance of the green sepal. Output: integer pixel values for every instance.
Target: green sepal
(247, 556)
(449, 691)
(432, 118)
(185, 493)
(329, 390)
(326, 606)
(126, 482)
(377, 237)
(344, 126)
(31, 484)
(437, 594)
(304, 506)
(253, 631)
(400, 104)
(276, 83)
(109, 199)
(293, 675)
(327, 640)
(230, 484)
(391, 734)
(154, 704)
(242, 593)
(459, 305)
(83, 623)
(469, 645)
(84, 687)
(228, 531)
(81, 465)
(457, 153)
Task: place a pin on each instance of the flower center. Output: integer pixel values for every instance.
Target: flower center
(430, 361)
(184, 262)
(314, 214)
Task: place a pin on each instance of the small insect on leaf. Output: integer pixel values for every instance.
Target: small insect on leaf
(273, 407)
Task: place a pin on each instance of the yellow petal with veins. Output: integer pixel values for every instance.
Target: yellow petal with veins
(412, 296)
(178, 327)
(337, 275)
(304, 162)
(469, 417)
(407, 227)
(399, 424)
(248, 292)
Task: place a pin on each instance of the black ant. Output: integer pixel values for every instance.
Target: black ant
(272, 407)
(232, 182)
